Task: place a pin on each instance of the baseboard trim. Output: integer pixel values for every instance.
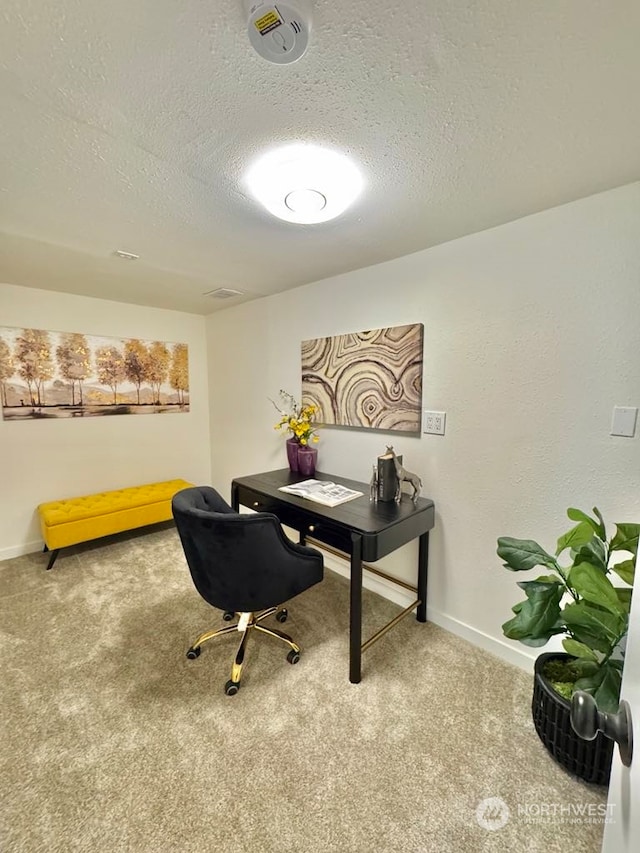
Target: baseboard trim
(496, 647)
(20, 550)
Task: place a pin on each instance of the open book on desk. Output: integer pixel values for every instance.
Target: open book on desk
(322, 492)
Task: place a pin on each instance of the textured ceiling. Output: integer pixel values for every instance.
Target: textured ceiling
(129, 125)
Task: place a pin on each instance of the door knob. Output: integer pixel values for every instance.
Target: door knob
(587, 721)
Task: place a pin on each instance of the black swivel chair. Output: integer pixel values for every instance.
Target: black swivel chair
(244, 565)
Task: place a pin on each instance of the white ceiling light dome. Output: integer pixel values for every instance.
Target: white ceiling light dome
(304, 183)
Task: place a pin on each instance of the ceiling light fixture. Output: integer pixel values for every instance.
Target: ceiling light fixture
(127, 256)
(305, 201)
(305, 184)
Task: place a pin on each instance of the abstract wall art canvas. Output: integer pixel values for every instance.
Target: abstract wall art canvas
(69, 374)
(370, 379)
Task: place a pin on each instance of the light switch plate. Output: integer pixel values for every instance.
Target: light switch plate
(623, 421)
(433, 423)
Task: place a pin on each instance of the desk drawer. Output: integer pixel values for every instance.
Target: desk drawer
(306, 522)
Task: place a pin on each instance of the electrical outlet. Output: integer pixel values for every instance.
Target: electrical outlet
(433, 422)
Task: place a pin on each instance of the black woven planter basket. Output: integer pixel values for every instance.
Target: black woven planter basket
(588, 759)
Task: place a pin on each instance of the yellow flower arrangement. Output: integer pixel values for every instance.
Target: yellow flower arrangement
(297, 419)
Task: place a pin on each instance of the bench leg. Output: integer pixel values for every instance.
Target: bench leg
(52, 558)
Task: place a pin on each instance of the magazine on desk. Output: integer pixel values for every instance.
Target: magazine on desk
(322, 492)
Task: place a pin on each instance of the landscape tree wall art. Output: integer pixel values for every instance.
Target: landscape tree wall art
(369, 379)
(69, 374)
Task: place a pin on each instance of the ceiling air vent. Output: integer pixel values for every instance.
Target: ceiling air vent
(223, 293)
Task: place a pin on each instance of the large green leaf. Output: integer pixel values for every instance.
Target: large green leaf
(545, 579)
(603, 532)
(585, 667)
(593, 552)
(520, 555)
(595, 587)
(579, 515)
(604, 686)
(540, 583)
(626, 538)
(590, 683)
(624, 595)
(578, 650)
(538, 618)
(576, 537)
(537, 642)
(586, 620)
(594, 641)
(625, 570)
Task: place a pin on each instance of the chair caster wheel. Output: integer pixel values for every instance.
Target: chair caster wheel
(228, 615)
(231, 688)
(282, 615)
(194, 653)
(293, 656)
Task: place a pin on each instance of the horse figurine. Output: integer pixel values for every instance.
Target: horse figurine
(404, 476)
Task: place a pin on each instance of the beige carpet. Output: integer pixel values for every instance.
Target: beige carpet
(113, 741)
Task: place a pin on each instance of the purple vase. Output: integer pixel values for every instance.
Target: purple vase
(307, 458)
(292, 454)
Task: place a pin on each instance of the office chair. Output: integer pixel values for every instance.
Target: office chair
(244, 565)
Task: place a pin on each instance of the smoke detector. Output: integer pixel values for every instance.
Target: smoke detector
(279, 32)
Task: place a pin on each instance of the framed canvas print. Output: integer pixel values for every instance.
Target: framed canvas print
(370, 379)
(69, 374)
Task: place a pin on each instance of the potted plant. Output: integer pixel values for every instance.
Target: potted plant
(577, 600)
(298, 419)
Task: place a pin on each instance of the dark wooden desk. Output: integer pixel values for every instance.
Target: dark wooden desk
(359, 529)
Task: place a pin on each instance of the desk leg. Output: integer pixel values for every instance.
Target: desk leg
(423, 564)
(355, 610)
(235, 503)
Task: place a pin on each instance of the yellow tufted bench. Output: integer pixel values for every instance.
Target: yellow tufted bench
(75, 520)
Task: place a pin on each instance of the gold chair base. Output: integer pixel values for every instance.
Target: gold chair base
(246, 622)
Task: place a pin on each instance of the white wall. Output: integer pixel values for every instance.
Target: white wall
(532, 334)
(43, 460)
